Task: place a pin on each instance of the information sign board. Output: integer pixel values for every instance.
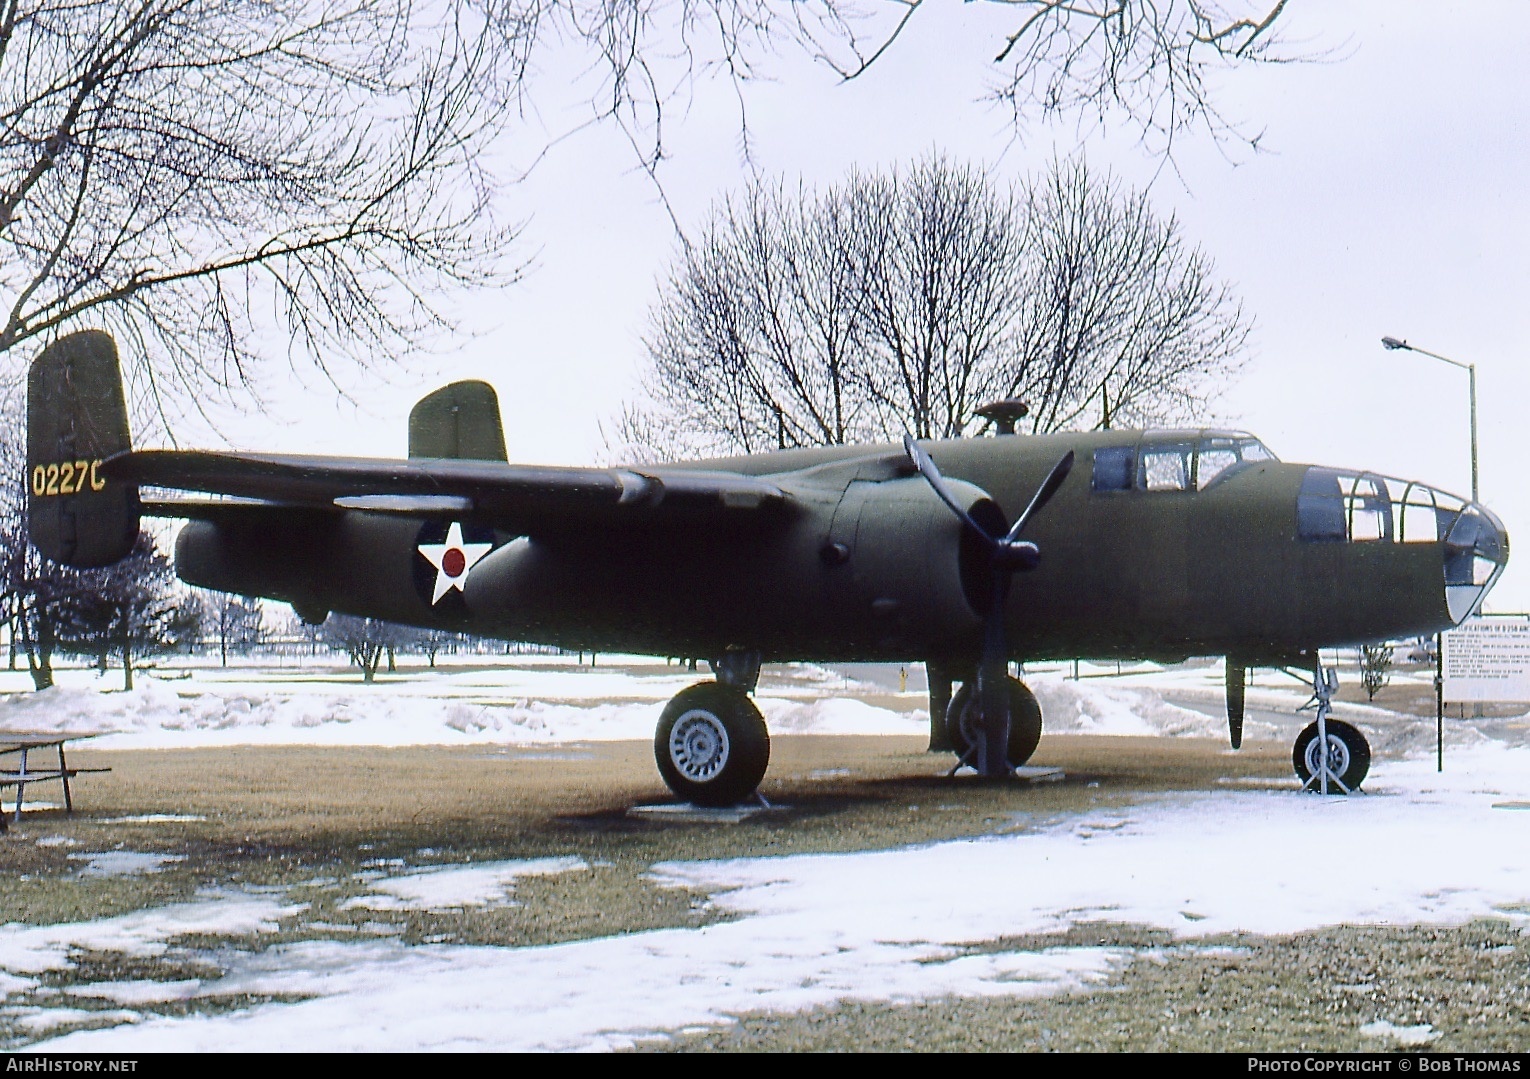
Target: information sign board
(1487, 658)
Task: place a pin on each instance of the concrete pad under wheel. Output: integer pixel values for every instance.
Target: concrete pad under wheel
(1028, 773)
(693, 814)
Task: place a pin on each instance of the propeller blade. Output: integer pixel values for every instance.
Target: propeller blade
(927, 469)
(1043, 494)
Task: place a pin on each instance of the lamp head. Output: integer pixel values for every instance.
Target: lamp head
(1392, 342)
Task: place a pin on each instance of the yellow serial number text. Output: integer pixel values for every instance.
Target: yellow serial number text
(66, 478)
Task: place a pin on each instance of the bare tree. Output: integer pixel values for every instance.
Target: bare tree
(178, 170)
(757, 340)
(29, 586)
(133, 608)
(366, 640)
(237, 620)
(804, 319)
(1121, 319)
(1375, 667)
(1143, 62)
(943, 270)
(904, 302)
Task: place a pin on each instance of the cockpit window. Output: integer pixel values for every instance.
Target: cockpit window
(1167, 467)
(1163, 463)
(1217, 456)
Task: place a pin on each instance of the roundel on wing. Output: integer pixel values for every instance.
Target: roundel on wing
(445, 553)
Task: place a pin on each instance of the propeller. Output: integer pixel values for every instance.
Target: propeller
(1008, 554)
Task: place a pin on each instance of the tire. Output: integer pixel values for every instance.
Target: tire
(1349, 754)
(711, 745)
(1024, 721)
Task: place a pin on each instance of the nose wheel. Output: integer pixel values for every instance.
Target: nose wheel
(1347, 761)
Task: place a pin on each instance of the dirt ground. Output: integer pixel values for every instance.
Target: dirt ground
(294, 815)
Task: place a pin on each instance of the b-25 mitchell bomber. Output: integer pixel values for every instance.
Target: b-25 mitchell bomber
(1158, 544)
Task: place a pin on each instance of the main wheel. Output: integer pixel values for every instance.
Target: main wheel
(1349, 754)
(962, 721)
(711, 745)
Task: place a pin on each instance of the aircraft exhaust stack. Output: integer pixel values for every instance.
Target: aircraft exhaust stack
(76, 420)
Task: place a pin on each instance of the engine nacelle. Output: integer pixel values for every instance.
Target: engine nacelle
(905, 577)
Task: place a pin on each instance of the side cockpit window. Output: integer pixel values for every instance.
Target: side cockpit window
(1167, 467)
(1339, 506)
(1220, 456)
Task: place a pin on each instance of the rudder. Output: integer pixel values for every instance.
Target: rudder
(76, 420)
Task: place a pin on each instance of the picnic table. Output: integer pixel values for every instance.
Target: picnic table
(25, 743)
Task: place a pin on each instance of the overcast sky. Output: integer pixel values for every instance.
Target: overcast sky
(1387, 200)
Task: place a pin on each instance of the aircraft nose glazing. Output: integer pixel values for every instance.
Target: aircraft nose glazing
(1476, 551)
(1362, 507)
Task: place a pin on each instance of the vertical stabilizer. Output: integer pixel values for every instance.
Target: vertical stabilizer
(76, 419)
(459, 421)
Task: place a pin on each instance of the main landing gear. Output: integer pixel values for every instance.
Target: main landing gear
(996, 720)
(1330, 756)
(969, 733)
(711, 745)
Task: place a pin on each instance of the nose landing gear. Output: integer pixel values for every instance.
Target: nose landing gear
(1330, 756)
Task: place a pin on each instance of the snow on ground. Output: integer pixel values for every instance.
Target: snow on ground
(529, 702)
(550, 700)
(889, 926)
(1419, 847)
(440, 889)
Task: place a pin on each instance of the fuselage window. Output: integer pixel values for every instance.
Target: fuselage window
(1115, 468)
(1370, 510)
(1166, 468)
(1320, 507)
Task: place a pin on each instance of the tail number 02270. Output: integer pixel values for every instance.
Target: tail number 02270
(66, 478)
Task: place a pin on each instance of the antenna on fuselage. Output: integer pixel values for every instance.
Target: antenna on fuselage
(1003, 415)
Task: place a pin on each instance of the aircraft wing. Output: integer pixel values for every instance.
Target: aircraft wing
(521, 498)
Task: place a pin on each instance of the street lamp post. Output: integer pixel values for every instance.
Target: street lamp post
(1439, 643)
(1471, 371)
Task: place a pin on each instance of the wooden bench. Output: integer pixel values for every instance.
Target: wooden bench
(24, 743)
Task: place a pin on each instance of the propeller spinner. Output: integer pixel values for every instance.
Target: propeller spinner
(1007, 555)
